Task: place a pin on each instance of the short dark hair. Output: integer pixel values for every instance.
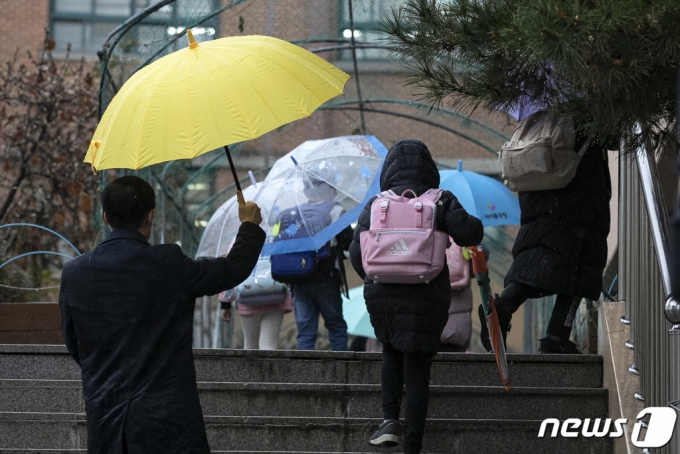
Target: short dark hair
(127, 201)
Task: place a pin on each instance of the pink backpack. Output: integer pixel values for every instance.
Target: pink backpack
(403, 245)
(459, 267)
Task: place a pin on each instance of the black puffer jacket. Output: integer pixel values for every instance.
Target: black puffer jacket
(561, 246)
(412, 317)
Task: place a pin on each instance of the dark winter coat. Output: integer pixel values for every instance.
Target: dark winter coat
(412, 317)
(561, 246)
(127, 313)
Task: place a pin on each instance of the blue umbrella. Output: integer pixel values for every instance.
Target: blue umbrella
(355, 314)
(482, 196)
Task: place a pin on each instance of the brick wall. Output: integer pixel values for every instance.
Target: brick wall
(22, 23)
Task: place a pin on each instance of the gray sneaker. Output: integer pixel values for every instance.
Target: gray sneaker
(387, 435)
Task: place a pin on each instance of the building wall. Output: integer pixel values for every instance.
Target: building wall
(22, 24)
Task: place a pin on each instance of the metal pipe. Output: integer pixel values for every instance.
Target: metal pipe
(24, 224)
(468, 121)
(660, 229)
(356, 69)
(163, 197)
(658, 215)
(418, 119)
(623, 205)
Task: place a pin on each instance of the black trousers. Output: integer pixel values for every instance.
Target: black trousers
(413, 370)
(562, 318)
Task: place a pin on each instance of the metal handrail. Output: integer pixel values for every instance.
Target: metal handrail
(660, 227)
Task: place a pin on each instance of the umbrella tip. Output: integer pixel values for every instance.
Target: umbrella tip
(294, 161)
(252, 177)
(190, 37)
(460, 164)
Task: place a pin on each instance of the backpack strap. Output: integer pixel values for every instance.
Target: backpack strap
(585, 146)
(547, 122)
(433, 195)
(384, 204)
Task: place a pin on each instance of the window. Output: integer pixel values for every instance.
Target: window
(367, 16)
(85, 24)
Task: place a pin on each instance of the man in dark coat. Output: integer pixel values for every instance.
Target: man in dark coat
(409, 318)
(561, 249)
(127, 313)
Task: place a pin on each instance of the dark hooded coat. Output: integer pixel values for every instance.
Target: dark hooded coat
(127, 314)
(561, 246)
(412, 317)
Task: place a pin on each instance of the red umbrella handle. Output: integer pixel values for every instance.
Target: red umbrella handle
(478, 262)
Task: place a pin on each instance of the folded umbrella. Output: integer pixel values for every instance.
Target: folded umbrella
(481, 271)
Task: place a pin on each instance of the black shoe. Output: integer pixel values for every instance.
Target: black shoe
(503, 321)
(553, 344)
(387, 435)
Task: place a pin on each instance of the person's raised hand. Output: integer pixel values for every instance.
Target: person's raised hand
(249, 212)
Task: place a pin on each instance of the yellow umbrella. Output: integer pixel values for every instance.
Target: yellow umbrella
(210, 95)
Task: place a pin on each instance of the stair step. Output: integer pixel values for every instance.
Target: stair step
(66, 433)
(561, 371)
(321, 402)
(331, 400)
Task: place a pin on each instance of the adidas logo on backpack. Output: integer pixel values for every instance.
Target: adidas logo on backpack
(403, 245)
(399, 248)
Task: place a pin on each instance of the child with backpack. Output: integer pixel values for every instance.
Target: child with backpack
(407, 292)
(316, 278)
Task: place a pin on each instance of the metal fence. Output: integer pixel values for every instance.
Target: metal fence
(645, 287)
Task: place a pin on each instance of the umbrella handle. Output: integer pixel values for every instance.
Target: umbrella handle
(233, 173)
(239, 197)
(478, 262)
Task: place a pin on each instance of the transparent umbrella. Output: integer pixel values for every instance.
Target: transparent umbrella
(341, 171)
(223, 225)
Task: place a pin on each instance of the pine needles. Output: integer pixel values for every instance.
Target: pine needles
(609, 63)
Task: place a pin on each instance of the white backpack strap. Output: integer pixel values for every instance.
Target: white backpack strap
(546, 119)
(384, 205)
(585, 146)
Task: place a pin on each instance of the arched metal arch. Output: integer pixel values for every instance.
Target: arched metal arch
(22, 224)
(25, 254)
(414, 118)
(419, 105)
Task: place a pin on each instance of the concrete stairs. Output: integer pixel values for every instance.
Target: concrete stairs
(321, 402)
